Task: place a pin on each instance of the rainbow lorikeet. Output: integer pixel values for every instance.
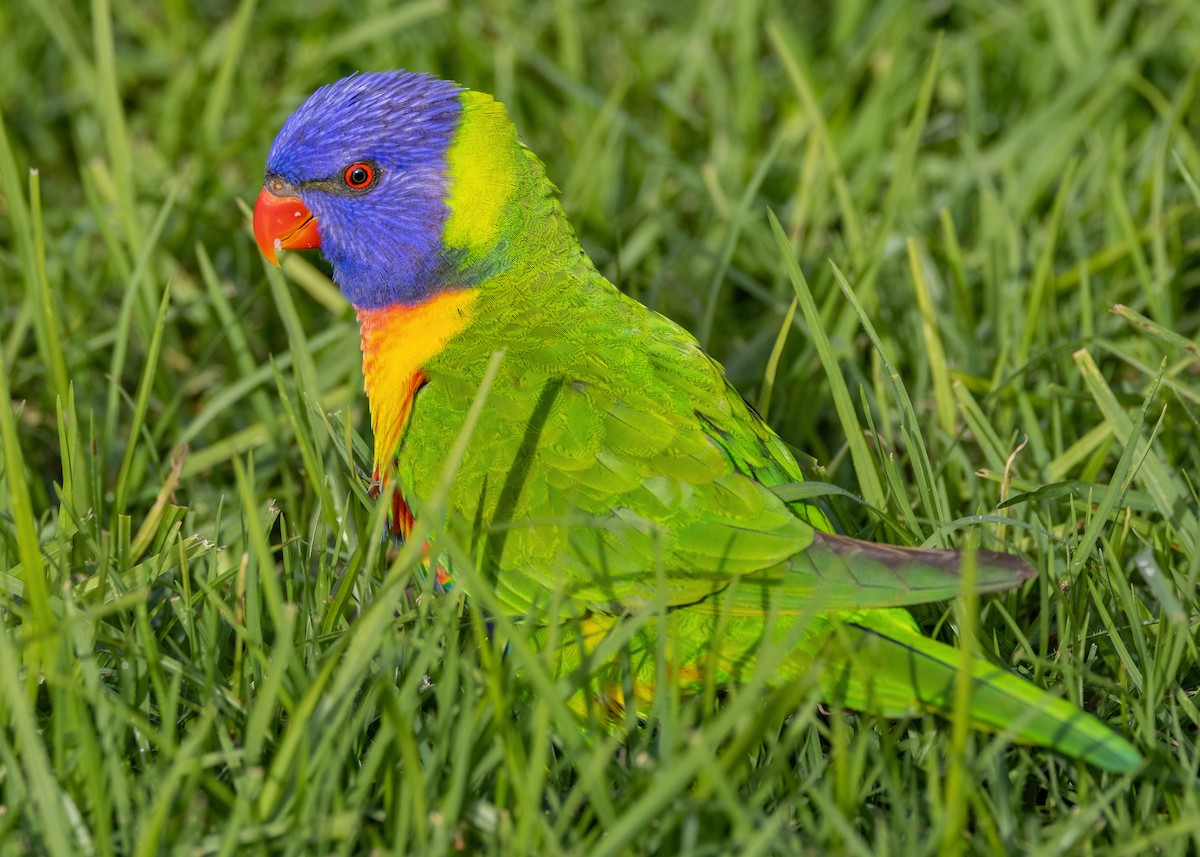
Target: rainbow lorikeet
(613, 466)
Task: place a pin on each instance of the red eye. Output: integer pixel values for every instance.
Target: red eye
(359, 176)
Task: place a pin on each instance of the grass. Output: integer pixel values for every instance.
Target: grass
(989, 215)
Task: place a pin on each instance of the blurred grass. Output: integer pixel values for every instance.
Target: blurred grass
(208, 649)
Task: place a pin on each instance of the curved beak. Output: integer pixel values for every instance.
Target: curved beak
(283, 223)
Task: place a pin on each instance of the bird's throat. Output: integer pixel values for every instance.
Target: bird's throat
(397, 342)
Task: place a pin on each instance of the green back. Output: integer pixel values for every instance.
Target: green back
(610, 448)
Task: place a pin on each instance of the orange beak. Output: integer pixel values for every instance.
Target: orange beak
(283, 222)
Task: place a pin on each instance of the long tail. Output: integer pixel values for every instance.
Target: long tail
(893, 670)
(867, 660)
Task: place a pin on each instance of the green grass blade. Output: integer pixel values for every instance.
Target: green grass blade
(864, 465)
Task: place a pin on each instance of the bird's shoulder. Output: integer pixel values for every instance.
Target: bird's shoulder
(610, 358)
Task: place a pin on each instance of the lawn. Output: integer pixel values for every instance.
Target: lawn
(976, 321)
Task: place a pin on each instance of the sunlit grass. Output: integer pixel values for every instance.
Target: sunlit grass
(987, 217)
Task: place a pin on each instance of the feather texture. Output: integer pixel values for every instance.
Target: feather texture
(614, 467)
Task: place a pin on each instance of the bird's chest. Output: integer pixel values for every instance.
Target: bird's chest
(438, 413)
(397, 343)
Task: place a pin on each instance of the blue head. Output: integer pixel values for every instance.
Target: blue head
(366, 159)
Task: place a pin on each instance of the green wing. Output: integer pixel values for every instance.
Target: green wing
(619, 467)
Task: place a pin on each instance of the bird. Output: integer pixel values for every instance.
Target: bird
(613, 468)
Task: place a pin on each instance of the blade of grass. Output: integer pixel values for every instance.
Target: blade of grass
(1123, 474)
(864, 466)
(931, 491)
(138, 418)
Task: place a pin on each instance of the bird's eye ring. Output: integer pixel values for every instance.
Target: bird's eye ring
(359, 176)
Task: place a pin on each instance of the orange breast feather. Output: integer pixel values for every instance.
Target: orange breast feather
(397, 341)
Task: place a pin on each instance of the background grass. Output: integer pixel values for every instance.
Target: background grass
(206, 648)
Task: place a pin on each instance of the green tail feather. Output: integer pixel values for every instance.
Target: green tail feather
(869, 660)
(892, 670)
